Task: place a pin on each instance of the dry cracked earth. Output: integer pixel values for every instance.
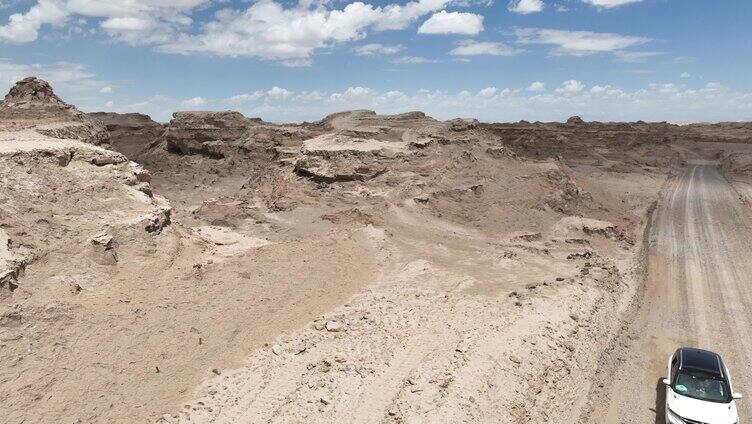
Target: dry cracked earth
(362, 268)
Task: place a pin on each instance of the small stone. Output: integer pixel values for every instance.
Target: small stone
(515, 359)
(333, 326)
(319, 325)
(277, 349)
(325, 400)
(574, 317)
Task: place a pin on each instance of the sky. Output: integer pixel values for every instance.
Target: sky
(299, 60)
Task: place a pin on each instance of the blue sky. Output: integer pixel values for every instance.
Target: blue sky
(676, 60)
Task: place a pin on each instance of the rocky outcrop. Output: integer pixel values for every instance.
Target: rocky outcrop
(341, 157)
(574, 121)
(225, 134)
(32, 103)
(33, 92)
(129, 133)
(204, 133)
(12, 265)
(572, 225)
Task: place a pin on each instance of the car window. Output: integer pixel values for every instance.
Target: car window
(674, 368)
(702, 386)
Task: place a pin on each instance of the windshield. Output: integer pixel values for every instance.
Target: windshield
(702, 386)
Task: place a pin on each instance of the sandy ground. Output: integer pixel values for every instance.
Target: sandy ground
(362, 268)
(696, 294)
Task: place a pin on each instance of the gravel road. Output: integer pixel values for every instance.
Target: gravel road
(697, 294)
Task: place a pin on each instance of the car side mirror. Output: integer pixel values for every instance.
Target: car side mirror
(666, 382)
(737, 396)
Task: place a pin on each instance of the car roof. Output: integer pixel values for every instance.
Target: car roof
(700, 360)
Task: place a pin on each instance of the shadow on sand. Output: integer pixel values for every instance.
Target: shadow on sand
(660, 402)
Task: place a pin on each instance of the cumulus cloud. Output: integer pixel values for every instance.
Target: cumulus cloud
(106, 90)
(24, 27)
(277, 93)
(578, 43)
(376, 48)
(133, 21)
(571, 86)
(537, 86)
(480, 48)
(452, 23)
(268, 30)
(123, 8)
(488, 92)
(240, 99)
(265, 29)
(608, 4)
(194, 102)
(607, 90)
(685, 75)
(525, 7)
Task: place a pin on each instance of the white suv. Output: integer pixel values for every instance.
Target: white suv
(698, 389)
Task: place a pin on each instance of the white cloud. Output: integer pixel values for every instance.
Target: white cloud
(408, 60)
(452, 23)
(634, 57)
(268, 30)
(578, 43)
(571, 86)
(24, 27)
(65, 77)
(685, 75)
(537, 86)
(376, 48)
(240, 99)
(606, 90)
(132, 21)
(109, 104)
(608, 4)
(194, 102)
(297, 63)
(714, 86)
(525, 7)
(106, 90)
(122, 8)
(353, 93)
(488, 92)
(478, 48)
(128, 23)
(277, 93)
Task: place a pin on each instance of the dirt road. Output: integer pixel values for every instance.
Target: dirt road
(697, 293)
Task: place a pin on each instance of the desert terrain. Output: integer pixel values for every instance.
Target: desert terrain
(362, 268)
